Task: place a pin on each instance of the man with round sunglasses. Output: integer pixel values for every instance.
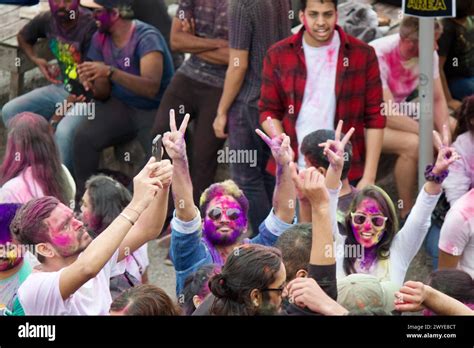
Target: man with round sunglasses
(212, 232)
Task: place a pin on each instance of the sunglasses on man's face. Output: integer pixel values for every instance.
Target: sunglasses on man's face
(231, 213)
(377, 221)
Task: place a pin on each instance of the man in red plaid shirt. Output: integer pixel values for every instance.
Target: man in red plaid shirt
(342, 82)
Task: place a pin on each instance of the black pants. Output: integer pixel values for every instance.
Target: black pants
(186, 95)
(114, 123)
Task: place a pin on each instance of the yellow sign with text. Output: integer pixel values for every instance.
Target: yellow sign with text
(427, 5)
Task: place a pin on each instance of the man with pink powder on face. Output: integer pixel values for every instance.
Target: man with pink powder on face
(210, 234)
(316, 78)
(74, 275)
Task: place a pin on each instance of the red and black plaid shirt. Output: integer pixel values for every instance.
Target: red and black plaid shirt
(358, 91)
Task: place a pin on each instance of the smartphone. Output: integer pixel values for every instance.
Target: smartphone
(156, 147)
(76, 88)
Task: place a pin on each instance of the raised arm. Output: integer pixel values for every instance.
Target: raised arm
(182, 187)
(311, 183)
(416, 296)
(102, 248)
(284, 196)
(334, 150)
(150, 223)
(409, 239)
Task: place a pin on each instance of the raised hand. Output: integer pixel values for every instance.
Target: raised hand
(334, 149)
(410, 298)
(310, 184)
(164, 173)
(447, 155)
(278, 144)
(173, 141)
(146, 183)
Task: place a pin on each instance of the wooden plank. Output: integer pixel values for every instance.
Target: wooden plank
(14, 60)
(9, 18)
(8, 8)
(12, 30)
(16, 85)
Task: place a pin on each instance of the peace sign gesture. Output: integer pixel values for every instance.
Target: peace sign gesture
(174, 141)
(446, 154)
(334, 149)
(278, 144)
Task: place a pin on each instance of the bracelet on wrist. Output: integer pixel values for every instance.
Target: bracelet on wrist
(436, 178)
(127, 218)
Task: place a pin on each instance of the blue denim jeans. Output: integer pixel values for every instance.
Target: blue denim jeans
(252, 178)
(461, 87)
(431, 243)
(43, 101)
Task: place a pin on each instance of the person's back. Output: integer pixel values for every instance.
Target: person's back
(259, 25)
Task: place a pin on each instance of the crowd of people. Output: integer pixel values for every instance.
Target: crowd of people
(299, 227)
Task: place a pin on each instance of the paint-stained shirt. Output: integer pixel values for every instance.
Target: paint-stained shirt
(461, 173)
(400, 76)
(40, 295)
(145, 39)
(70, 46)
(210, 17)
(457, 233)
(358, 91)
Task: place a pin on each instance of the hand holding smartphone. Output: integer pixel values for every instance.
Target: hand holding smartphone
(156, 147)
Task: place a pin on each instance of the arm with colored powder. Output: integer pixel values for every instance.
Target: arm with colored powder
(334, 150)
(407, 242)
(284, 196)
(102, 248)
(416, 296)
(182, 187)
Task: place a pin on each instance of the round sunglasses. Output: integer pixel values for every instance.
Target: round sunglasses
(231, 213)
(377, 221)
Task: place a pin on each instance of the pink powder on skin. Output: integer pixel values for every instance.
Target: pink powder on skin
(368, 207)
(211, 227)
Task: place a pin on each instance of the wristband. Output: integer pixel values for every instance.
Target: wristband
(437, 178)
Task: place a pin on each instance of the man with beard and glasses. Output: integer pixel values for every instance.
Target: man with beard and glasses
(74, 274)
(135, 59)
(211, 233)
(68, 29)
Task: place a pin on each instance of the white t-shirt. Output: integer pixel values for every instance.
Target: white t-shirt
(319, 102)
(405, 245)
(140, 256)
(39, 294)
(400, 76)
(457, 233)
(461, 173)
